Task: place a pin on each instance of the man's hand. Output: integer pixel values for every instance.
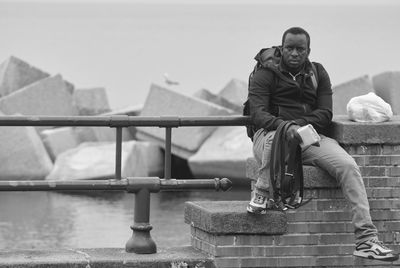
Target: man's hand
(292, 135)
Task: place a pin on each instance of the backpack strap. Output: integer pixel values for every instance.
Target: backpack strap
(314, 76)
(291, 180)
(277, 159)
(292, 189)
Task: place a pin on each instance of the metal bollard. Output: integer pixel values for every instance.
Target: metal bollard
(141, 241)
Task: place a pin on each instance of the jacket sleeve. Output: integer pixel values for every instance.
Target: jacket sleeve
(260, 88)
(320, 117)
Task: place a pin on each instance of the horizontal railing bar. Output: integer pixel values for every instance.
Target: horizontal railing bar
(124, 121)
(132, 184)
(198, 184)
(53, 185)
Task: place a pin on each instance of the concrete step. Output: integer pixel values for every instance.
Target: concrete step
(292, 239)
(327, 216)
(337, 227)
(336, 193)
(342, 205)
(334, 261)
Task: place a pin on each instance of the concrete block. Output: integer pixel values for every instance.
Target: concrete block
(96, 160)
(314, 177)
(206, 95)
(59, 140)
(133, 110)
(342, 93)
(387, 86)
(348, 132)
(16, 73)
(223, 154)
(165, 102)
(176, 257)
(49, 96)
(91, 101)
(23, 155)
(231, 217)
(153, 158)
(235, 91)
(91, 134)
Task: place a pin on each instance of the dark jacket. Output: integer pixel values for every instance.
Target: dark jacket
(274, 99)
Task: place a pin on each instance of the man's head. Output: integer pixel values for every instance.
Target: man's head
(295, 47)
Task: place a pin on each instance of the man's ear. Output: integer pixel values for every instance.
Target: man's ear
(308, 53)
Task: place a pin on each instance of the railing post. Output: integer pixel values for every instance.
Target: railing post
(141, 241)
(167, 160)
(118, 153)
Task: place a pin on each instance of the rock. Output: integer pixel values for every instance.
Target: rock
(387, 86)
(165, 102)
(23, 155)
(16, 73)
(48, 96)
(133, 110)
(223, 154)
(235, 91)
(206, 95)
(92, 134)
(59, 140)
(91, 101)
(96, 160)
(153, 158)
(342, 93)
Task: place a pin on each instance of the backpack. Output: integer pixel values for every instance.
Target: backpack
(267, 58)
(287, 181)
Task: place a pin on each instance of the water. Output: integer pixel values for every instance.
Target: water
(125, 47)
(42, 220)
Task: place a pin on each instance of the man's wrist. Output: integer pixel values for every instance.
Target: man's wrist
(301, 122)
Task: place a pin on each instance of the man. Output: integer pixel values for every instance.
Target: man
(273, 100)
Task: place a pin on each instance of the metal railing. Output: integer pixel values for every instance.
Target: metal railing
(141, 241)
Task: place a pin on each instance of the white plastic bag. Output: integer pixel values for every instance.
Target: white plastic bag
(369, 108)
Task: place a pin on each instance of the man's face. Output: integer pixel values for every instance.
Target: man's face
(295, 50)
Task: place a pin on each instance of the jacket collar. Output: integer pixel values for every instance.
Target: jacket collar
(305, 70)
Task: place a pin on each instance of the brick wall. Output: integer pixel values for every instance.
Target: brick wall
(319, 234)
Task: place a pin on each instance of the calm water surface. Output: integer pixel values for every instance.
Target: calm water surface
(37, 220)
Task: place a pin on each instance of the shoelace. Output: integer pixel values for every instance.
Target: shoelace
(380, 243)
(259, 198)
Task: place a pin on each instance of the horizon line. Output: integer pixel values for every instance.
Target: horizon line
(216, 2)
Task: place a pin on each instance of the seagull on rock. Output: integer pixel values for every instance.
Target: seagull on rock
(168, 81)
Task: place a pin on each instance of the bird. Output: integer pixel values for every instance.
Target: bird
(168, 81)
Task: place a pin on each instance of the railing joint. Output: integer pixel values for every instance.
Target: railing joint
(169, 121)
(119, 121)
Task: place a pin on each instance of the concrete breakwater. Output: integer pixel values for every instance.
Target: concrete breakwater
(88, 152)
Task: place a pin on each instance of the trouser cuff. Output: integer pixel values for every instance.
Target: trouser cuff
(261, 191)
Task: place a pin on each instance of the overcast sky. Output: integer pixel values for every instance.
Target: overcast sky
(281, 2)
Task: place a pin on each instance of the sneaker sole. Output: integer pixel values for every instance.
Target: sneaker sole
(256, 211)
(375, 257)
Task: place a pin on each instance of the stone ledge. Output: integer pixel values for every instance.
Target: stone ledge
(348, 132)
(231, 217)
(105, 258)
(314, 177)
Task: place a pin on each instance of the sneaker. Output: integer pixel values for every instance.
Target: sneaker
(258, 204)
(276, 205)
(376, 250)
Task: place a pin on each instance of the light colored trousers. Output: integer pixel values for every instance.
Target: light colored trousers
(337, 162)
